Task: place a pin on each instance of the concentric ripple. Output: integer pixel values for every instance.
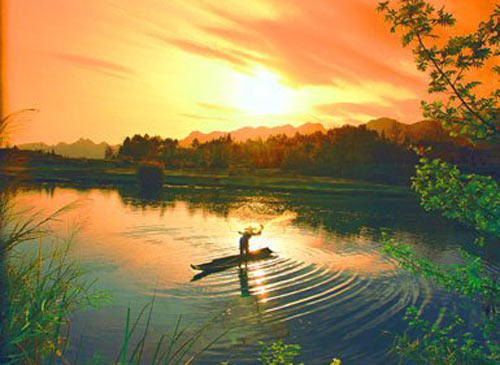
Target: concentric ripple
(326, 301)
(327, 288)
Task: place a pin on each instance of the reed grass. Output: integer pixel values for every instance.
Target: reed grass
(179, 346)
(40, 289)
(43, 291)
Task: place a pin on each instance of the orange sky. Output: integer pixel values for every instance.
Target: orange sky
(105, 69)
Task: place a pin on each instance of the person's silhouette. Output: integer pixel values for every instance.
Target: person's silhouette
(245, 240)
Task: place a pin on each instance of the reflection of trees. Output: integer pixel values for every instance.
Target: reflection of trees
(211, 202)
(349, 216)
(47, 188)
(346, 216)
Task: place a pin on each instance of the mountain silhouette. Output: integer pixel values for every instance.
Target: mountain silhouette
(245, 133)
(83, 148)
(428, 130)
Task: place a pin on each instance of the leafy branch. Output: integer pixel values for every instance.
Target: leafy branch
(466, 112)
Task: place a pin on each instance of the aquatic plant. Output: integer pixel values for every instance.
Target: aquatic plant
(279, 353)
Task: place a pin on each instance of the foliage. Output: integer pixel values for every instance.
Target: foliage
(43, 292)
(471, 199)
(466, 108)
(470, 279)
(108, 153)
(456, 341)
(452, 64)
(348, 152)
(453, 343)
(150, 176)
(279, 353)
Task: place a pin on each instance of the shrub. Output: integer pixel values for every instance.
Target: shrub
(150, 176)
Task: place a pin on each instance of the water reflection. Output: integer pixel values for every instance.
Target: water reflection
(243, 275)
(327, 288)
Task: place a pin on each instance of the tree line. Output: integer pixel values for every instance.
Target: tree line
(345, 152)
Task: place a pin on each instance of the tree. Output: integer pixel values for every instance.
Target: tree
(469, 109)
(108, 153)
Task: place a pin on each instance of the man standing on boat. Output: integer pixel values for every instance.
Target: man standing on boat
(245, 240)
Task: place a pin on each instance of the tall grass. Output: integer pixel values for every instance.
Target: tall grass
(43, 289)
(39, 291)
(180, 346)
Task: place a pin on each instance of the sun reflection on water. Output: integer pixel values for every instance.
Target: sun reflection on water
(332, 280)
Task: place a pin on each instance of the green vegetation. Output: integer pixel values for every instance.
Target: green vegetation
(455, 340)
(59, 170)
(42, 288)
(279, 353)
(41, 291)
(347, 152)
(150, 176)
(177, 347)
(469, 111)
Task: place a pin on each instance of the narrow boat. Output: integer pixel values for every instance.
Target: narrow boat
(233, 260)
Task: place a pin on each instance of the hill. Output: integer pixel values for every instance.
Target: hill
(242, 134)
(425, 130)
(82, 148)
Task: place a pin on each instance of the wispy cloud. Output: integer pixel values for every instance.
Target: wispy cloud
(316, 43)
(196, 116)
(205, 50)
(99, 65)
(401, 109)
(218, 107)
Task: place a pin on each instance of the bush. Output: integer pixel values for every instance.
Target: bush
(150, 176)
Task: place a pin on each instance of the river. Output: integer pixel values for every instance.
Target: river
(327, 287)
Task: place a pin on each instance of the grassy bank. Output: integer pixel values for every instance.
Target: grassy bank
(92, 173)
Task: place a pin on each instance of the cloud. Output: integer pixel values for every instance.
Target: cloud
(196, 116)
(318, 43)
(218, 107)
(205, 50)
(399, 109)
(96, 64)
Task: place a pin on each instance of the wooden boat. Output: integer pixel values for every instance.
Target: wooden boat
(233, 260)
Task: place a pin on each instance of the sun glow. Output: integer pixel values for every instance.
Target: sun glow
(262, 94)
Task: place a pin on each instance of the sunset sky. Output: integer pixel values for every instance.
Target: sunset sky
(105, 69)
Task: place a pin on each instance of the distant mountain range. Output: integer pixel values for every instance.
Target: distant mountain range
(242, 134)
(82, 148)
(392, 129)
(428, 130)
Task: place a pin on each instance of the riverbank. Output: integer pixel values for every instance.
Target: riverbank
(104, 173)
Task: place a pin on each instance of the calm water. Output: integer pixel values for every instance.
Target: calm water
(328, 287)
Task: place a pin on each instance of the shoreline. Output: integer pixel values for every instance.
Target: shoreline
(264, 179)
